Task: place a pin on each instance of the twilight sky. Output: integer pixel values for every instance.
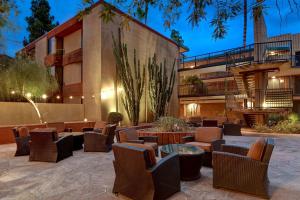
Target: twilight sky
(199, 39)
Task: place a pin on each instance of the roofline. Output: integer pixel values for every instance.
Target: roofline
(31, 45)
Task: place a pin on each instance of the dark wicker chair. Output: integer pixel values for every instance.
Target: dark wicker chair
(100, 142)
(137, 179)
(209, 123)
(233, 170)
(209, 139)
(98, 127)
(130, 135)
(22, 141)
(47, 147)
(232, 129)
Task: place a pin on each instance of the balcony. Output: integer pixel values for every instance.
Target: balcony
(72, 57)
(191, 90)
(54, 59)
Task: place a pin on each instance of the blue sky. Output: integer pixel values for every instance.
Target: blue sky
(198, 39)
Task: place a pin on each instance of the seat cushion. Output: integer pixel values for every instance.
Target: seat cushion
(202, 145)
(150, 152)
(151, 144)
(208, 134)
(257, 149)
(128, 134)
(23, 131)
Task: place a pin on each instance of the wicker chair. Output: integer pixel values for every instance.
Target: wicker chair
(232, 129)
(138, 178)
(232, 169)
(130, 135)
(209, 123)
(47, 147)
(22, 139)
(100, 142)
(98, 127)
(209, 139)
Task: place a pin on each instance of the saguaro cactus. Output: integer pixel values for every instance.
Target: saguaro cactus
(132, 78)
(160, 86)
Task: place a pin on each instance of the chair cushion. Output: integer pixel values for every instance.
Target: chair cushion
(150, 152)
(208, 134)
(257, 149)
(128, 134)
(202, 145)
(23, 131)
(151, 144)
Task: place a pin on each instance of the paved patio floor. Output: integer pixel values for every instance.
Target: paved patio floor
(91, 176)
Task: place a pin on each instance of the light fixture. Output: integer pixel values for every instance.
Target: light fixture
(44, 96)
(82, 97)
(281, 81)
(192, 66)
(28, 94)
(93, 96)
(57, 97)
(85, 120)
(70, 97)
(273, 77)
(13, 92)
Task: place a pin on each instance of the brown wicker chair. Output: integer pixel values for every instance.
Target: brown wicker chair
(207, 138)
(100, 142)
(138, 178)
(60, 127)
(47, 147)
(22, 139)
(98, 127)
(209, 123)
(130, 135)
(232, 129)
(232, 169)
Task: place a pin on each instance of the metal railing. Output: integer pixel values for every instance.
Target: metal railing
(192, 90)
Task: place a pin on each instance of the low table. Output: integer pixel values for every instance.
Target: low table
(78, 139)
(190, 158)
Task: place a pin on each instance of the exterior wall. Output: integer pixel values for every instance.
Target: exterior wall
(72, 41)
(146, 44)
(41, 50)
(91, 71)
(72, 73)
(23, 113)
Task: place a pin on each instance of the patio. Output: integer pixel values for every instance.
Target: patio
(91, 175)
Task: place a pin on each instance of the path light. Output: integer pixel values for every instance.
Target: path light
(70, 97)
(13, 92)
(93, 96)
(28, 94)
(44, 96)
(281, 81)
(85, 120)
(82, 97)
(273, 77)
(57, 97)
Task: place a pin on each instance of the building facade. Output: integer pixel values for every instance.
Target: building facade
(244, 83)
(80, 54)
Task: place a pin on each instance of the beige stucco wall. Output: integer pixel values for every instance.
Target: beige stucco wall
(72, 41)
(146, 44)
(72, 73)
(41, 50)
(91, 49)
(23, 113)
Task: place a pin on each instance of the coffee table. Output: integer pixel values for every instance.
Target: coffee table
(78, 139)
(190, 158)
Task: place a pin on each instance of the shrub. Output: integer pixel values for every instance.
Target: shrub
(114, 117)
(171, 124)
(293, 118)
(274, 118)
(262, 128)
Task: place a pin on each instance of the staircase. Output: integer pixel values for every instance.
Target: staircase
(250, 119)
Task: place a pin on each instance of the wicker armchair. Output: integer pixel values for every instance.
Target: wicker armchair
(100, 142)
(138, 178)
(232, 169)
(232, 129)
(130, 135)
(22, 139)
(98, 127)
(207, 138)
(47, 147)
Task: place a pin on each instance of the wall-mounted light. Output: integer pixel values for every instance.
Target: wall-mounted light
(28, 94)
(70, 97)
(13, 92)
(57, 97)
(85, 120)
(192, 108)
(44, 96)
(107, 93)
(281, 80)
(273, 77)
(82, 97)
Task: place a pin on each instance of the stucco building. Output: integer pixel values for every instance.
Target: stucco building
(80, 54)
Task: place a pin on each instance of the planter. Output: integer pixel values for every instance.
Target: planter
(165, 137)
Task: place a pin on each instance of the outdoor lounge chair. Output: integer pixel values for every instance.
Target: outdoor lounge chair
(100, 142)
(232, 129)
(47, 147)
(138, 176)
(207, 138)
(22, 139)
(99, 125)
(130, 135)
(235, 169)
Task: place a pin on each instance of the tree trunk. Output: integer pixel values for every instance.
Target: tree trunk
(35, 108)
(245, 24)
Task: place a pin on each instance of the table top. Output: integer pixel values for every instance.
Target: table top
(70, 133)
(182, 149)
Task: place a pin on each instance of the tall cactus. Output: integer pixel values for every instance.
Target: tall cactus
(160, 86)
(132, 79)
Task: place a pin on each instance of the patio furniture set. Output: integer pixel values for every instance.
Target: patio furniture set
(140, 175)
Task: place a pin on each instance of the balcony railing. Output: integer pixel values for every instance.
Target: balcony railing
(191, 90)
(54, 59)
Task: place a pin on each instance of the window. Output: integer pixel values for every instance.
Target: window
(51, 45)
(297, 58)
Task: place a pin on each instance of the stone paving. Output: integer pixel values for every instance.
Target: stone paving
(91, 176)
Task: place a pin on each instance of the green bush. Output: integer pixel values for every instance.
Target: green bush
(171, 124)
(274, 118)
(284, 126)
(293, 118)
(114, 118)
(262, 128)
